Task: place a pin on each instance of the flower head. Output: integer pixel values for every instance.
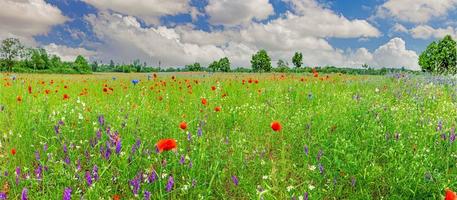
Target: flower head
(183, 125)
(166, 145)
(276, 126)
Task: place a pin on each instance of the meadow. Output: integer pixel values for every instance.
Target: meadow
(238, 136)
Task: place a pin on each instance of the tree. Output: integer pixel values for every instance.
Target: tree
(10, 50)
(95, 66)
(214, 66)
(81, 65)
(261, 61)
(297, 59)
(40, 59)
(136, 64)
(224, 64)
(440, 57)
(194, 67)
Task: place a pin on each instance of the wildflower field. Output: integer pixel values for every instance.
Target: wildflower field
(227, 136)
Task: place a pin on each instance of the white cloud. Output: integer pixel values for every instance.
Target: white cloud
(148, 10)
(67, 53)
(416, 11)
(426, 32)
(399, 28)
(394, 54)
(236, 12)
(26, 18)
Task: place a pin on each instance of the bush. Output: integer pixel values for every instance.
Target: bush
(441, 57)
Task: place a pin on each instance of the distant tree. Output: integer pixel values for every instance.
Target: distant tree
(94, 66)
(81, 65)
(111, 64)
(261, 61)
(136, 64)
(11, 49)
(40, 59)
(297, 59)
(214, 66)
(440, 57)
(365, 66)
(224, 64)
(282, 66)
(194, 67)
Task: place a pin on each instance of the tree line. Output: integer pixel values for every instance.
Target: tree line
(14, 57)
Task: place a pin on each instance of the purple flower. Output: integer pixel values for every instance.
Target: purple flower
(190, 164)
(147, 195)
(78, 165)
(170, 184)
(189, 136)
(306, 196)
(182, 160)
(65, 149)
(152, 177)
(107, 153)
(95, 173)
(101, 120)
(306, 149)
(199, 132)
(39, 172)
(135, 183)
(235, 180)
(2, 196)
(45, 147)
(397, 136)
(118, 147)
(57, 129)
(321, 168)
(353, 181)
(67, 194)
(452, 138)
(99, 134)
(67, 160)
(88, 178)
(440, 126)
(135, 81)
(37, 155)
(18, 175)
(24, 195)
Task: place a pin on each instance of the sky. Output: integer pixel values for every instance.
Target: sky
(380, 33)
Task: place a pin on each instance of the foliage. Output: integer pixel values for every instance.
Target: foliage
(297, 59)
(261, 62)
(194, 67)
(81, 65)
(10, 51)
(282, 66)
(440, 57)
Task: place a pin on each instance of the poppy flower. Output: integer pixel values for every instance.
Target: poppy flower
(65, 97)
(47, 91)
(276, 126)
(450, 195)
(13, 151)
(204, 101)
(116, 197)
(105, 89)
(183, 125)
(30, 89)
(19, 99)
(166, 145)
(217, 108)
(213, 88)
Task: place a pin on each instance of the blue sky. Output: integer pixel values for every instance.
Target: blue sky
(381, 33)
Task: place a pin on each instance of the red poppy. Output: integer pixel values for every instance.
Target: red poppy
(183, 125)
(316, 74)
(30, 89)
(105, 89)
(276, 126)
(213, 88)
(450, 195)
(166, 145)
(65, 86)
(47, 91)
(116, 197)
(19, 99)
(204, 102)
(217, 108)
(13, 151)
(65, 97)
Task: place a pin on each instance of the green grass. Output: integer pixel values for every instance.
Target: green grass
(352, 120)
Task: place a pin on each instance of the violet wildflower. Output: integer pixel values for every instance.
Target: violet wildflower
(18, 175)
(443, 136)
(199, 132)
(152, 177)
(321, 168)
(95, 173)
(235, 180)
(306, 196)
(452, 138)
(45, 147)
(147, 195)
(88, 178)
(67, 194)
(57, 129)
(99, 134)
(135, 183)
(78, 165)
(3, 196)
(306, 149)
(37, 155)
(65, 149)
(189, 136)
(170, 184)
(182, 160)
(118, 147)
(39, 172)
(101, 120)
(67, 160)
(24, 195)
(190, 164)
(135, 81)
(439, 126)
(353, 181)
(320, 154)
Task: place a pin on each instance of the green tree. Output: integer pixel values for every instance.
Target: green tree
(11, 49)
(137, 65)
(282, 66)
(194, 67)
(224, 64)
(440, 57)
(297, 59)
(95, 66)
(81, 65)
(40, 59)
(261, 61)
(214, 66)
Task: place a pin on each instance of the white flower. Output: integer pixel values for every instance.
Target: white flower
(289, 188)
(311, 187)
(264, 177)
(376, 90)
(312, 167)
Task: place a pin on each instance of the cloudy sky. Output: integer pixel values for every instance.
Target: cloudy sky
(381, 33)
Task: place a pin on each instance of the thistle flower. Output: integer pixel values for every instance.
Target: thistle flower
(170, 184)
(24, 195)
(67, 194)
(235, 180)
